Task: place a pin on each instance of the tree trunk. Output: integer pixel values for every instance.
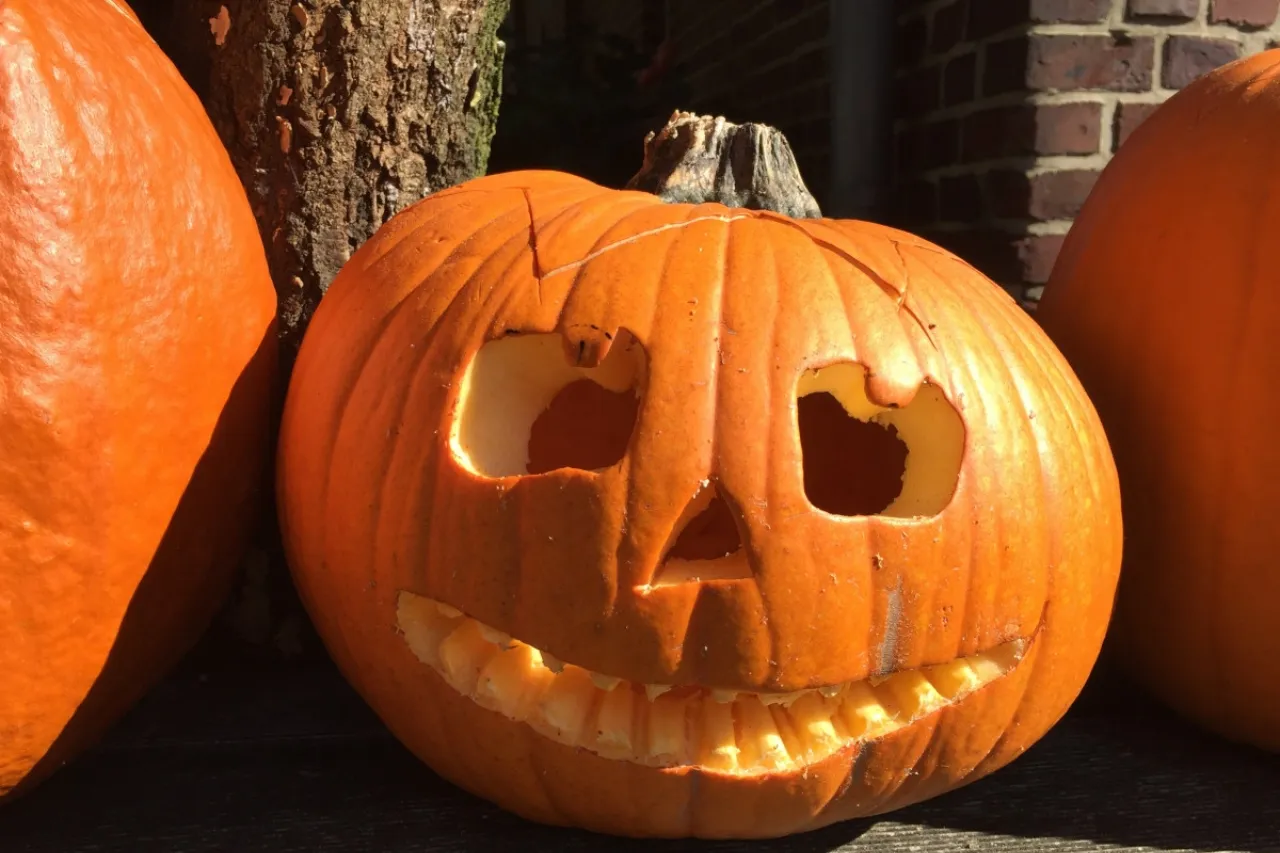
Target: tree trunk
(338, 114)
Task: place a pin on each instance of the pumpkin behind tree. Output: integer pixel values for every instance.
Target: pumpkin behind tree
(1166, 298)
(693, 518)
(136, 364)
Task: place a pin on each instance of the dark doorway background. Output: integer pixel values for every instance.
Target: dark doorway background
(583, 82)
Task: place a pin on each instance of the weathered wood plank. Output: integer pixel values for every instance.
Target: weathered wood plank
(286, 763)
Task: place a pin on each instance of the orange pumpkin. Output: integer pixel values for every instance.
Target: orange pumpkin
(135, 373)
(1166, 300)
(683, 519)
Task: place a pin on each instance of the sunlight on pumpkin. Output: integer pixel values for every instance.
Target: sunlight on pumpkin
(903, 462)
(664, 725)
(524, 408)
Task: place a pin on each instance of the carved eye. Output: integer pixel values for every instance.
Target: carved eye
(863, 459)
(526, 408)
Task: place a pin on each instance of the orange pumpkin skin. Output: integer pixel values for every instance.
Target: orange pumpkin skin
(136, 366)
(728, 308)
(1165, 300)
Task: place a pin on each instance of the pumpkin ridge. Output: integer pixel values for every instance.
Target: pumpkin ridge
(379, 340)
(898, 296)
(645, 574)
(966, 368)
(422, 564)
(1075, 440)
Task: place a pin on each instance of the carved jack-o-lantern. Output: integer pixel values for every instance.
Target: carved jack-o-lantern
(688, 519)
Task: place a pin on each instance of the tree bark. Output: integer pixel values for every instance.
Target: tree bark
(338, 114)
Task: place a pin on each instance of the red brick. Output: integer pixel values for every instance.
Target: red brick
(959, 81)
(960, 198)
(948, 26)
(1111, 63)
(1189, 57)
(1036, 256)
(1244, 13)
(1128, 118)
(1068, 128)
(1059, 195)
(1043, 197)
(989, 17)
(1174, 10)
(1045, 129)
(1068, 11)
(1005, 66)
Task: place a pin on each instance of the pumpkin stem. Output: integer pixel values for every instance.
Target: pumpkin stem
(696, 159)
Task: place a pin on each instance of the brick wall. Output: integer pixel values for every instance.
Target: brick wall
(761, 60)
(1010, 108)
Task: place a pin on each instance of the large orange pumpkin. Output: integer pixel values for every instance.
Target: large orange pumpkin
(135, 373)
(683, 519)
(1166, 298)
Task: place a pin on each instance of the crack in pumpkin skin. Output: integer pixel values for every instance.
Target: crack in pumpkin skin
(666, 726)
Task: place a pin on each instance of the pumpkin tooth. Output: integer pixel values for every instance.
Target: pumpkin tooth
(493, 635)
(463, 654)
(614, 723)
(718, 728)
(668, 738)
(762, 745)
(811, 718)
(605, 682)
(784, 699)
(986, 667)
(913, 694)
(954, 679)
(1009, 654)
(864, 715)
(565, 705)
(796, 748)
(505, 680)
(653, 691)
(424, 628)
(447, 611)
(719, 742)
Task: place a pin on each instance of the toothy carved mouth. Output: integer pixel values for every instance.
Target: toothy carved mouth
(661, 726)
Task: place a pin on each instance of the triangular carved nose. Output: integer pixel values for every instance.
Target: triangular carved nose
(706, 543)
